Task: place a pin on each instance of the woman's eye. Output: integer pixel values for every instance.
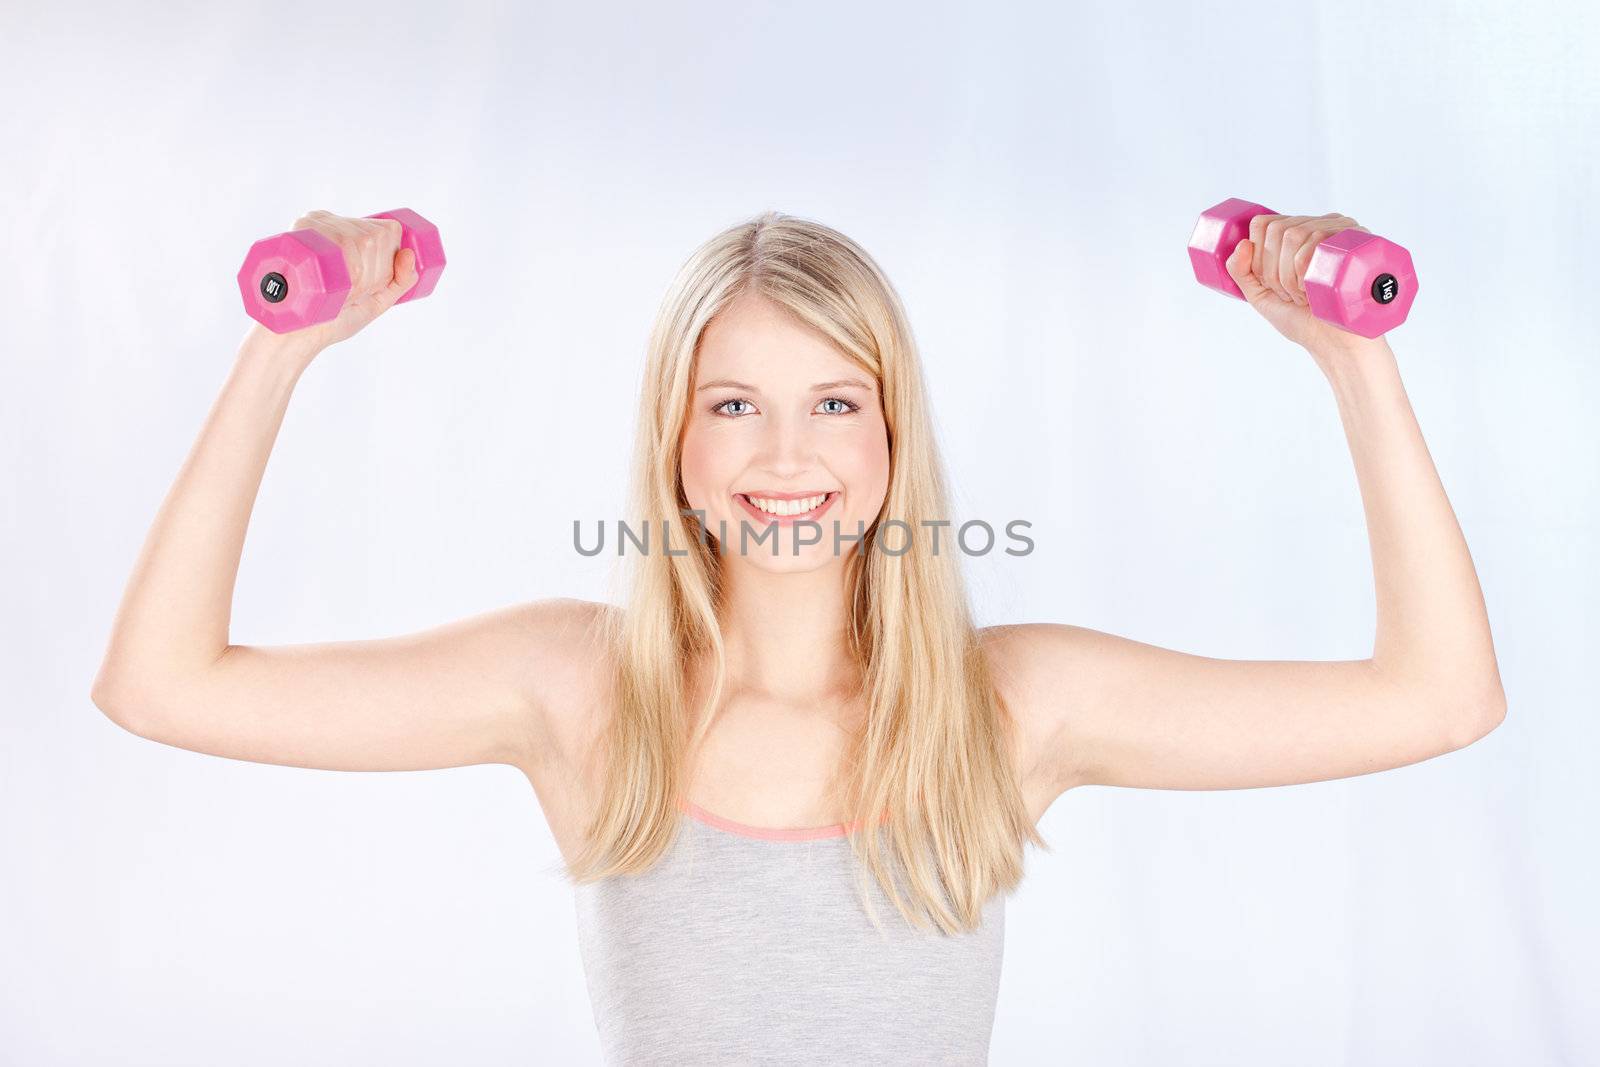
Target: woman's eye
(727, 407)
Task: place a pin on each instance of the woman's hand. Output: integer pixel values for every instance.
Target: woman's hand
(381, 271)
(1270, 269)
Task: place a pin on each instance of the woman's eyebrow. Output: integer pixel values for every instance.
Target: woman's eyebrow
(729, 383)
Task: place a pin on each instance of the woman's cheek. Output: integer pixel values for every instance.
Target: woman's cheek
(708, 466)
(693, 469)
(867, 462)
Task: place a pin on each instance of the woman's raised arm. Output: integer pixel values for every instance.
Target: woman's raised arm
(1112, 711)
(463, 693)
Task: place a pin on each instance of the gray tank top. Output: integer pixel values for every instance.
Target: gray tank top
(750, 945)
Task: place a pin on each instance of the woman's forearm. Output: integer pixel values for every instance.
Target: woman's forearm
(173, 619)
(1432, 629)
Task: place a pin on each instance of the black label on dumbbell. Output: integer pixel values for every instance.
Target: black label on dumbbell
(1385, 287)
(274, 287)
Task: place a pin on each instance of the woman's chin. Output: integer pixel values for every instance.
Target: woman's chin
(789, 557)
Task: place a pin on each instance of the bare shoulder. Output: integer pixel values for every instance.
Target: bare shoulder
(573, 658)
(1025, 661)
(570, 655)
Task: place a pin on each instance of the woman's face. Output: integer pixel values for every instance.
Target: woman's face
(777, 419)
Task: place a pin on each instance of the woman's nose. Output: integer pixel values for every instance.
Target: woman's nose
(787, 447)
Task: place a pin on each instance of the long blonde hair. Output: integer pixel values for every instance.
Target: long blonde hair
(933, 755)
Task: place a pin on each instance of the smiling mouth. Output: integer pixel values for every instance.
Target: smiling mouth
(781, 511)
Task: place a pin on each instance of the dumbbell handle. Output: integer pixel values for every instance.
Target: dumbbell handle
(1355, 280)
(299, 278)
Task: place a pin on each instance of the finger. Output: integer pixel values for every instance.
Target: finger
(362, 237)
(375, 268)
(1258, 238)
(389, 236)
(1272, 255)
(405, 276)
(1325, 227)
(1264, 261)
(1239, 269)
(1295, 235)
(372, 265)
(312, 220)
(393, 234)
(1271, 241)
(340, 232)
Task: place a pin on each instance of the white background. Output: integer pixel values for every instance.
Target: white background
(1028, 176)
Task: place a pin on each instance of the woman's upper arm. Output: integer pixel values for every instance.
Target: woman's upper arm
(471, 691)
(1112, 711)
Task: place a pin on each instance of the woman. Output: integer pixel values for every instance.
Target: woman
(795, 664)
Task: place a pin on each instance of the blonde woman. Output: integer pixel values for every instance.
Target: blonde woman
(790, 779)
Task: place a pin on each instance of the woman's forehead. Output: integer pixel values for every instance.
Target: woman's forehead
(767, 354)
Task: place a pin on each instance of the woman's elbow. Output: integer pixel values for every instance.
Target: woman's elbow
(120, 702)
(1475, 719)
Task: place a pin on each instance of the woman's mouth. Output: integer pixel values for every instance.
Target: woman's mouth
(786, 512)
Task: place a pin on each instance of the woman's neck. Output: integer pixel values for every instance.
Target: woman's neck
(787, 636)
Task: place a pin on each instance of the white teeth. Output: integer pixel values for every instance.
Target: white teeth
(787, 507)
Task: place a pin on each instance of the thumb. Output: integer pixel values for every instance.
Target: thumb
(1238, 265)
(405, 276)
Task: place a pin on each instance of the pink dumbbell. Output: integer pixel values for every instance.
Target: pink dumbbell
(1356, 280)
(299, 278)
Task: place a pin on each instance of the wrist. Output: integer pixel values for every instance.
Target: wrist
(288, 353)
(1350, 355)
(1357, 365)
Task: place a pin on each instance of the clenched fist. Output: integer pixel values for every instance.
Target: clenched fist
(381, 272)
(1270, 269)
